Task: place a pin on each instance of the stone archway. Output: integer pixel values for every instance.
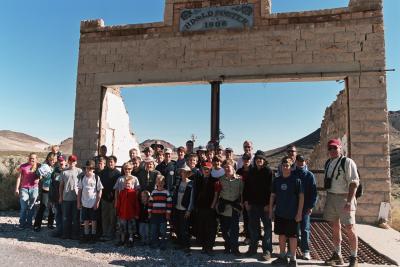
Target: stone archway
(341, 43)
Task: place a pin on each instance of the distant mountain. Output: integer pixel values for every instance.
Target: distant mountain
(16, 141)
(149, 142)
(66, 146)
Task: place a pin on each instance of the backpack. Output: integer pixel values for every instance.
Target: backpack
(82, 174)
(360, 190)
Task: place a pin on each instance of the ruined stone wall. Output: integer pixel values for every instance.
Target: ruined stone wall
(303, 46)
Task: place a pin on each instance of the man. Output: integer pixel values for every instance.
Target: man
(168, 168)
(159, 157)
(219, 151)
(108, 178)
(201, 156)
(340, 207)
(291, 152)
(310, 199)
(147, 177)
(157, 147)
(244, 173)
(229, 156)
(256, 195)
(247, 149)
(189, 147)
(102, 153)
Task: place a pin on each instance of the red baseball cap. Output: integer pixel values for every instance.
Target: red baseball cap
(206, 164)
(72, 158)
(335, 142)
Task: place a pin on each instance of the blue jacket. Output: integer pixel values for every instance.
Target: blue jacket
(309, 187)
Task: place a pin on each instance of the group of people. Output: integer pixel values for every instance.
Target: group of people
(195, 195)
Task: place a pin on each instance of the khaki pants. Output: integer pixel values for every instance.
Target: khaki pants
(108, 218)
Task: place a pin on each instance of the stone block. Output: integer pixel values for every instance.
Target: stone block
(302, 57)
(375, 126)
(344, 57)
(377, 161)
(378, 185)
(372, 198)
(368, 210)
(372, 93)
(364, 148)
(345, 37)
(372, 81)
(374, 173)
(320, 57)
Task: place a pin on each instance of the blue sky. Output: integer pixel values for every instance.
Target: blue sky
(38, 62)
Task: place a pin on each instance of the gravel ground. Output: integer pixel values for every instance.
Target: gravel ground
(46, 247)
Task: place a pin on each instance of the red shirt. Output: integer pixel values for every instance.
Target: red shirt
(128, 206)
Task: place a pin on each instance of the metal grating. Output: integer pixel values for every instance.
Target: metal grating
(321, 246)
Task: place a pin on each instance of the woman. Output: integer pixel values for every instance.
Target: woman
(26, 189)
(45, 172)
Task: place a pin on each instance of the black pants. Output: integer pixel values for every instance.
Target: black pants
(44, 201)
(182, 228)
(207, 227)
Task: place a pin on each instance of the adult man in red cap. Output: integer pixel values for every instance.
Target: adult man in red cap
(341, 181)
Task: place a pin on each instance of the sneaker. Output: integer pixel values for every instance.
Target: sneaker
(50, 226)
(279, 261)
(129, 244)
(251, 252)
(292, 263)
(307, 256)
(227, 250)
(335, 259)
(236, 252)
(353, 262)
(84, 239)
(266, 256)
(119, 243)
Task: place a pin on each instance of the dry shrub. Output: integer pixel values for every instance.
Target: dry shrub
(8, 176)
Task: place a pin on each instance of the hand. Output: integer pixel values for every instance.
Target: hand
(347, 207)
(266, 209)
(79, 206)
(16, 192)
(187, 215)
(298, 217)
(309, 211)
(60, 200)
(96, 205)
(271, 215)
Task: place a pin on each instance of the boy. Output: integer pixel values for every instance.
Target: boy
(183, 199)
(228, 192)
(144, 228)
(288, 198)
(206, 217)
(89, 194)
(127, 207)
(160, 206)
(68, 195)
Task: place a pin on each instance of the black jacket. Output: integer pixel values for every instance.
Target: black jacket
(108, 179)
(257, 186)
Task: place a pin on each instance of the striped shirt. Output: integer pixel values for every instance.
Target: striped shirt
(160, 202)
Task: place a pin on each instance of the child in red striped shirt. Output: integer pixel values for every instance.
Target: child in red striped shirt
(160, 205)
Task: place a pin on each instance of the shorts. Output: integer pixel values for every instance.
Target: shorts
(89, 214)
(334, 209)
(286, 227)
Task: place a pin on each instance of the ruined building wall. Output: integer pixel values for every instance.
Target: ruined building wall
(330, 44)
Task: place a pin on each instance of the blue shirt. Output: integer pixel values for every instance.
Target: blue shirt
(286, 192)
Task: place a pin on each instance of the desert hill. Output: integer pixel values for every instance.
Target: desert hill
(16, 141)
(149, 142)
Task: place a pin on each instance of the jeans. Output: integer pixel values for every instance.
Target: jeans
(144, 231)
(257, 213)
(71, 222)
(305, 229)
(126, 228)
(27, 199)
(182, 228)
(230, 230)
(158, 230)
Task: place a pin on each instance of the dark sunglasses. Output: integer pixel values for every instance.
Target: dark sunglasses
(332, 148)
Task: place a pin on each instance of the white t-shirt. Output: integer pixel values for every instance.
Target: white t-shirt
(341, 180)
(89, 190)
